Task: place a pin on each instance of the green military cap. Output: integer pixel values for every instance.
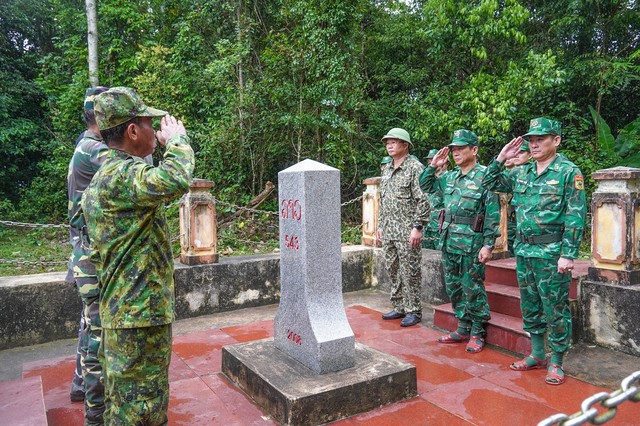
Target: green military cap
(386, 160)
(543, 126)
(90, 95)
(432, 153)
(464, 137)
(119, 105)
(398, 133)
(525, 146)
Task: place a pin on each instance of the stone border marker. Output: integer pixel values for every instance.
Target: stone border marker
(311, 325)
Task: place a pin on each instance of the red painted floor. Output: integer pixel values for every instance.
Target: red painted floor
(455, 388)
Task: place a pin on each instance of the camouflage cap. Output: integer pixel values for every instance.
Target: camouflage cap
(90, 95)
(464, 137)
(543, 126)
(119, 105)
(386, 160)
(398, 133)
(525, 146)
(432, 153)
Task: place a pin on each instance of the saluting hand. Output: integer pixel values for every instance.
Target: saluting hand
(169, 126)
(441, 158)
(510, 150)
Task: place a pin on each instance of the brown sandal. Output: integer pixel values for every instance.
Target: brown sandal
(453, 337)
(475, 345)
(553, 376)
(523, 366)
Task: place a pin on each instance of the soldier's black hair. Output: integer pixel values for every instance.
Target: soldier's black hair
(114, 135)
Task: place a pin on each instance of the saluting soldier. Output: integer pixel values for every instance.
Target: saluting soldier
(549, 200)
(469, 227)
(431, 238)
(404, 210)
(523, 157)
(124, 209)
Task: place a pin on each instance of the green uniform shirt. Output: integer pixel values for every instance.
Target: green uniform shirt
(551, 203)
(87, 158)
(463, 196)
(402, 203)
(124, 208)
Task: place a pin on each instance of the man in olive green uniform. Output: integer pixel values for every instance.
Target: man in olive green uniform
(431, 237)
(549, 199)
(404, 210)
(87, 158)
(523, 157)
(124, 208)
(470, 221)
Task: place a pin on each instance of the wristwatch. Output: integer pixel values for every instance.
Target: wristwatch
(490, 247)
(418, 227)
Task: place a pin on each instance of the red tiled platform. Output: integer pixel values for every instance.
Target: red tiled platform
(455, 387)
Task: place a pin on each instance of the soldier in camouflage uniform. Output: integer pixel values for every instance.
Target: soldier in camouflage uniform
(549, 199)
(124, 208)
(404, 210)
(469, 229)
(431, 238)
(523, 157)
(87, 158)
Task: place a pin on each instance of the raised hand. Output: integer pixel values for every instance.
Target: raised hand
(441, 158)
(169, 126)
(511, 149)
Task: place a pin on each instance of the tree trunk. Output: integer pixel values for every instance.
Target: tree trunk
(92, 41)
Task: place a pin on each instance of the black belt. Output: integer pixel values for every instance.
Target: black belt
(539, 239)
(464, 220)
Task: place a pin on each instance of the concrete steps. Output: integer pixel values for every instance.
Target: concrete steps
(505, 327)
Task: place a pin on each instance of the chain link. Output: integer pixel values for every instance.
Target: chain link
(32, 263)
(32, 225)
(247, 209)
(352, 201)
(629, 391)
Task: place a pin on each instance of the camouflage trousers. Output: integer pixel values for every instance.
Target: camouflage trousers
(87, 363)
(430, 239)
(91, 368)
(404, 266)
(136, 365)
(544, 300)
(464, 283)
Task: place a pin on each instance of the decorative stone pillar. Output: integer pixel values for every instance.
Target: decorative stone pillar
(198, 239)
(502, 242)
(370, 212)
(615, 234)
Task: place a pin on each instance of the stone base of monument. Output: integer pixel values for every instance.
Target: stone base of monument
(294, 395)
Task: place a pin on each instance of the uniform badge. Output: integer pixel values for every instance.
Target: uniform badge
(552, 182)
(472, 187)
(578, 182)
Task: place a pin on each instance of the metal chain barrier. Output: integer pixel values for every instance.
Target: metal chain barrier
(32, 263)
(32, 225)
(629, 391)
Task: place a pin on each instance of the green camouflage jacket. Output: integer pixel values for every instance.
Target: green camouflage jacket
(464, 197)
(551, 203)
(124, 208)
(87, 158)
(402, 203)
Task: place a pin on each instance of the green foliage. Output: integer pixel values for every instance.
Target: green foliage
(262, 85)
(625, 149)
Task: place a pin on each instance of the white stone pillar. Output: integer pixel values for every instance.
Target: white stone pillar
(311, 324)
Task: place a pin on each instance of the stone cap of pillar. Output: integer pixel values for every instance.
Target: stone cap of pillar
(201, 184)
(372, 181)
(617, 173)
